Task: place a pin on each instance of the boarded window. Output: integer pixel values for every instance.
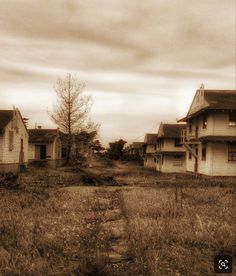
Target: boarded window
(232, 118)
(204, 121)
(178, 142)
(11, 140)
(232, 151)
(203, 152)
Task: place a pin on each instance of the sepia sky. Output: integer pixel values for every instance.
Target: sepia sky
(142, 61)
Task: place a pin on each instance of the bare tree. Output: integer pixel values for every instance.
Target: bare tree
(71, 113)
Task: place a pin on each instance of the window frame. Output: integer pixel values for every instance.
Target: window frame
(11, 140)
(204, 121)
(232, 122)
(232, 153)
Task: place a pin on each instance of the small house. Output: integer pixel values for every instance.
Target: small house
(210, 136)
(13, 141)
(45, 147)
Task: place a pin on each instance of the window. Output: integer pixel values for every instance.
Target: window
(190, 127)
(11, 140)
(155, 147)
(178, 142)
(204, 152)
(232, 118)
(232, 151)
(204, 121)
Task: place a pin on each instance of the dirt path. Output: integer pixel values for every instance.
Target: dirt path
(113, 225)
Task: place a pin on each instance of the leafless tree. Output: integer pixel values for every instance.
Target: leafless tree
(71, 113)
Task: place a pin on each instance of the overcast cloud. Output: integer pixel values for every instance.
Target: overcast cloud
(141, 60)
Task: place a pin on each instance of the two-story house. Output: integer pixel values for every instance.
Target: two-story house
(136, 148)
(170, 152)
(13, 141)
(149, 150)
(210, 136)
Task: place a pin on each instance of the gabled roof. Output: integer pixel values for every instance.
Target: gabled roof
(170, 130)
(150, 138)
(5, 117)
(212, 99)
(42, 135)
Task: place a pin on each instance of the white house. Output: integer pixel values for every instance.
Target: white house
(210, 137)
(149, 150)
(170, 153)
(13, 141)
(45, 147)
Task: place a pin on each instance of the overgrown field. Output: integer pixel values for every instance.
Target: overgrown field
(178, 232)
(174, 224)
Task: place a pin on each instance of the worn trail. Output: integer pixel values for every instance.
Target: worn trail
(113, 226)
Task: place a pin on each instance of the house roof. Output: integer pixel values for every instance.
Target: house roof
(171, 130)
(5, 117)
(42, 135)
(150, 138)
(214, 100)
(137, 145)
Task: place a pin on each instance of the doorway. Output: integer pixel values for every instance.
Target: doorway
(43, 151)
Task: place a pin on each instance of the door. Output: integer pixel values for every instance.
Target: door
(43, 151)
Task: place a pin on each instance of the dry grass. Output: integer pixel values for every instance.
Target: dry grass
(174, 232)
(49, 232)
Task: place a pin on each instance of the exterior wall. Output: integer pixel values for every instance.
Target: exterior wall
(217, 125)
(173, 165)
(149, 162)
(169, 145)
(12, 156)
(216, 163)
(220, 164)
(150, 149)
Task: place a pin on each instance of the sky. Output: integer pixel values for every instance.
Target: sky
(142, 61)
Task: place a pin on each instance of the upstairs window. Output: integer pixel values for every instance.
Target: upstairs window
(190, 127)
(232, 151)
(204, 121)
(178, 142)
(11, 140)
(232, 118)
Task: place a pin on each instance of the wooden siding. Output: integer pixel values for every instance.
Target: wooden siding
(8, 156)
(150, 162)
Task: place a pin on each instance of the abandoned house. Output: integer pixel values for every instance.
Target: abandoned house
(149, 150)
(210, 136)
(13, 141)
(45, 147)
(170, 153)
(136, 148)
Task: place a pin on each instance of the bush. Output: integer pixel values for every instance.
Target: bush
(131, 157)
(9, 180)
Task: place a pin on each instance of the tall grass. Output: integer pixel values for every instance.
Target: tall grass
(178, 234)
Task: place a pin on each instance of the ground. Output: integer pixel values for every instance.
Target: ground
(133, 222)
